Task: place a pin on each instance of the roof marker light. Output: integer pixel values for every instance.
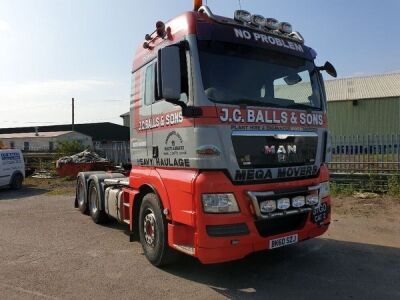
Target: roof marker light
(258, 20)
(197, 4)
(271, 23)
(242, 16)
(285, 27)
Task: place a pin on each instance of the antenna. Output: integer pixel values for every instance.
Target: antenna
(240, 4)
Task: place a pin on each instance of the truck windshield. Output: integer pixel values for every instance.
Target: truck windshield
(239, 74)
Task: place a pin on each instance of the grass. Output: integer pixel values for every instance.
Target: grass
(394, 186)
(53, 186)
(342, 190)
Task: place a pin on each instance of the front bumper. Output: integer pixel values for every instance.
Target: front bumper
(225, 237)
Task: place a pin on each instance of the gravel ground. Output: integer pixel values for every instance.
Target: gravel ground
(48, 250)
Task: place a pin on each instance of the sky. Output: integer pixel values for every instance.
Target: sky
(53, 50)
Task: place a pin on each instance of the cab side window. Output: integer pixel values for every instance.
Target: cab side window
(149, 84)
(184, 77)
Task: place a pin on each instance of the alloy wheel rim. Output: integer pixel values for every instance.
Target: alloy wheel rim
(149, 228)
(93, 201)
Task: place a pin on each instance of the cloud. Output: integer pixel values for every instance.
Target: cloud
(51, 88)
(4, 26)
(47, 102)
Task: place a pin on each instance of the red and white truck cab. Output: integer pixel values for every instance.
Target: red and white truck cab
(229, 141)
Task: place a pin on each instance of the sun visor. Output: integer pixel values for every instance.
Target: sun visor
(247, 36)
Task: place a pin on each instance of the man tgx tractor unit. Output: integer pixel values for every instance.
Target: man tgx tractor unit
(228, 141)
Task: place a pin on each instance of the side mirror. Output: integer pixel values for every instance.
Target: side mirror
(329, 68)
(169, 73)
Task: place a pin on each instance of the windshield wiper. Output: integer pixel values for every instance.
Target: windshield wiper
(302, 106)
(256, 103)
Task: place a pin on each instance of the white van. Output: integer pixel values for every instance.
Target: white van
(12, 168)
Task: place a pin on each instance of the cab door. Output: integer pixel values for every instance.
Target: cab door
(170, 134)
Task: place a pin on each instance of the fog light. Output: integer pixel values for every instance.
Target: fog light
(283, 203)
(298, 201)
(312, 199)
(268, 206)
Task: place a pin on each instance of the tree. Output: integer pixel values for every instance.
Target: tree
(66, 148)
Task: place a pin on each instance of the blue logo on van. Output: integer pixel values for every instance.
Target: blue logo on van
(11, 156)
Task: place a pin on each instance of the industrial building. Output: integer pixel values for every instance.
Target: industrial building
(43, 141)
(361, 106)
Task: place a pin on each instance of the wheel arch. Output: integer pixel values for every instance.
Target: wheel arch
(144, 189)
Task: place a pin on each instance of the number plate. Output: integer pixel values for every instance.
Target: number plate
(320, 213)
(284, 241)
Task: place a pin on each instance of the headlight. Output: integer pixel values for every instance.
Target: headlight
(268, 206)
(324, 189)
(219, 203)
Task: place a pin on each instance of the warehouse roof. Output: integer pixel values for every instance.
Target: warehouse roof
(366, 87)
(98, 131)
(33, 134)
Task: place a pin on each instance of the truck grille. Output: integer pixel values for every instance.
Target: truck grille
(272, 149)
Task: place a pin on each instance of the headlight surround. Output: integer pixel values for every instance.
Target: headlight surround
(324, 190)
(219, 203)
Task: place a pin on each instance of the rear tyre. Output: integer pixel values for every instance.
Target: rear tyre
(81, 195)
(153, 232)
(16, 182)
(98, 216)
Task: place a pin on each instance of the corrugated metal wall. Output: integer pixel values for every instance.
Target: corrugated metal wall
(368, 116)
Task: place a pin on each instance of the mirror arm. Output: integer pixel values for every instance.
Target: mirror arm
(187, 111)
(177, 102)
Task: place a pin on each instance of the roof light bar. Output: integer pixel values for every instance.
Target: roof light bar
(285, 27)
(245, 17)
(258, 20)
(242, 16)
(271, 23)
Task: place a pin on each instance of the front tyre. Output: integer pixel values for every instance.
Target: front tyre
(153, 232)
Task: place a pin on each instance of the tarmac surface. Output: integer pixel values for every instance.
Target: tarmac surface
(49, 250)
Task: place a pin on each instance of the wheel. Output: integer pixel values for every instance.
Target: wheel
(80, 195)
(98, 216)
(153, 232)
(16, 182)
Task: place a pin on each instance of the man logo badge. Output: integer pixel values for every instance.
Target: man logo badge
(282, 151)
